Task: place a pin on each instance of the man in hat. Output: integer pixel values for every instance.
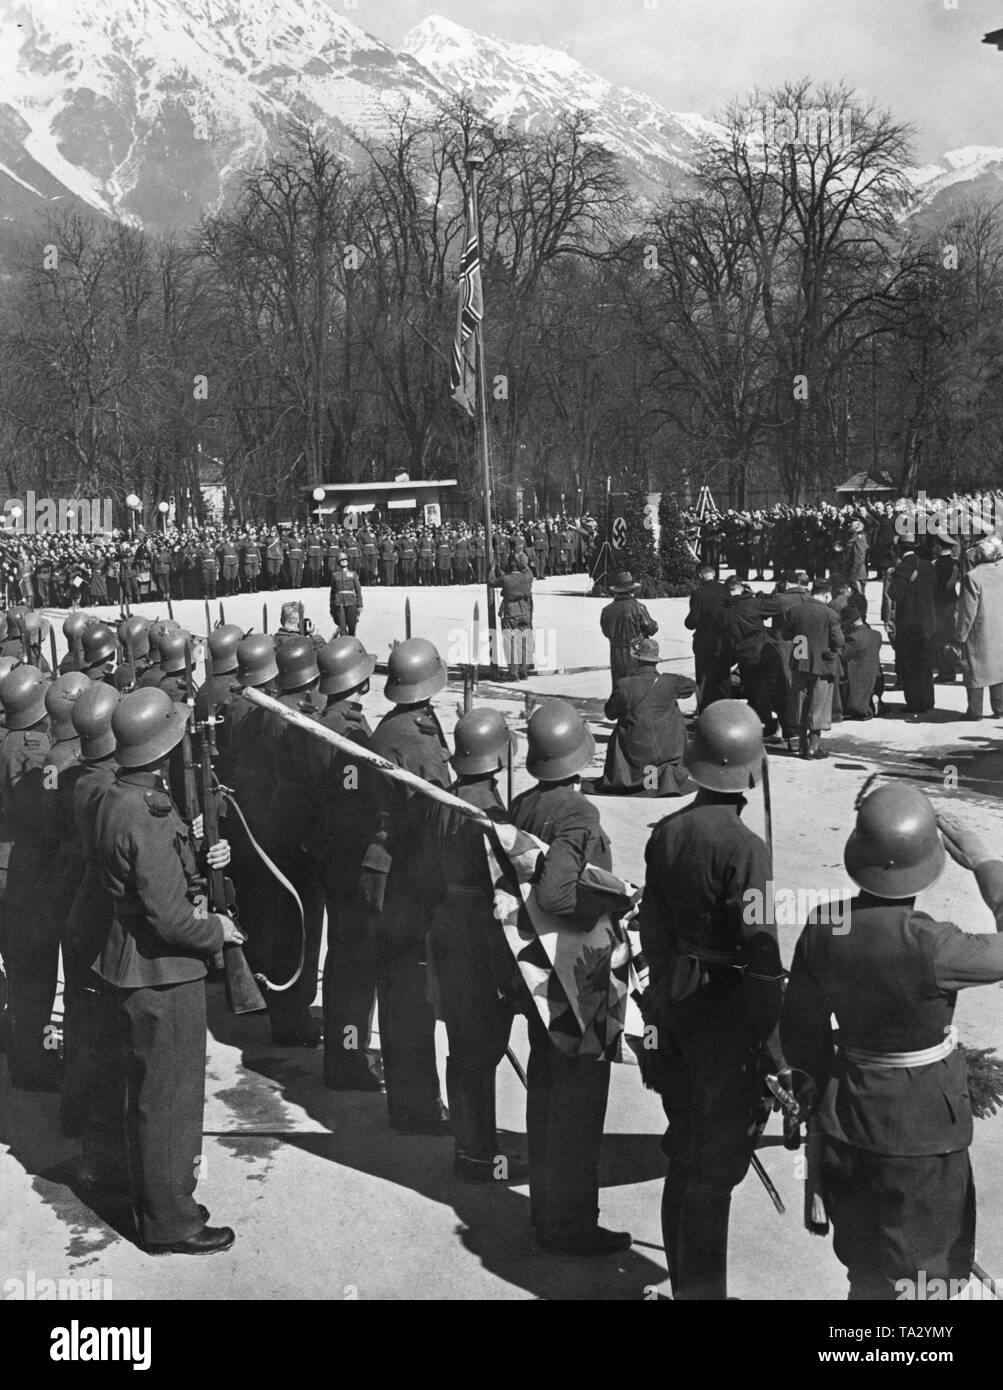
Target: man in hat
(816, 640)
(622, 622)
(892, 1113)
(715, 993)
(913, 623)
(979, 629)
(645, 752)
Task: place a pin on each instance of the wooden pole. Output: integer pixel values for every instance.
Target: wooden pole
(473, 163)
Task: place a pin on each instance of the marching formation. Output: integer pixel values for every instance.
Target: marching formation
(187, 835)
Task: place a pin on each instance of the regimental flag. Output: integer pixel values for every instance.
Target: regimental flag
(585, 984)
(469, 313)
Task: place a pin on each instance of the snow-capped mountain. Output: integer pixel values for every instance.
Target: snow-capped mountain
(148, 110)
(525, 86)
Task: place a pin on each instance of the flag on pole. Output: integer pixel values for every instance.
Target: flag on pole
(469, 312)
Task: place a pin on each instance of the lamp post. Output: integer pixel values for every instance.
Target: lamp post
(163, 508)
(134, 504)
(318, 496)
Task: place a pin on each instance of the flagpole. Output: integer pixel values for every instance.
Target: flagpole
(473, 163)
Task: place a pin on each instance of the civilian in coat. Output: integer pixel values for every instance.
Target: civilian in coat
(979, 627)
(912, 625)
(645, 753)
(622, 622)
(862, 679)
(705, 602)
(855, 557)
(816, 640)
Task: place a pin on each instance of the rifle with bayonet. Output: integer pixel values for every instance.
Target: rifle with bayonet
(242, 993)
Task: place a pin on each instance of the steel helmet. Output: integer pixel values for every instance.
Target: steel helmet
(75, 625)
(344, 665)
(136, 630)
(172, 647)
(415, 672)
(725, 753)
(256, 664)
(147, 724)
(35, 626)
(60, 698)
(7, 664)
(560, 744)
(297, 663)
(91, 714)
(157, 629)
(22, 694)
(481, 741)
(895, 848)
(15, 619)
(223, 642)
(97, 645)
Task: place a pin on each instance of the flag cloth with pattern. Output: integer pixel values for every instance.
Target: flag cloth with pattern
(584, 984)
(469, 312)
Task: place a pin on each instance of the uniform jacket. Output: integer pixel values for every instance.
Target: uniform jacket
(567, 822)
(979, 623)
(147, 866)
(517, 598)
(346, 591)
(90, 917)
(347, 818)
(890, 976)
(856, 558)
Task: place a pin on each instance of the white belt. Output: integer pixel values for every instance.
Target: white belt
(923, 1058)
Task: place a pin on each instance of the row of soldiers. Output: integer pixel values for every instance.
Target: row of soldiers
(88, 813)
(203, 562)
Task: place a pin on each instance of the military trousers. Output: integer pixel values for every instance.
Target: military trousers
(349, 986)
(565, 1113)
(163, 1041)
(31, 954)
(407, 1018)
(914, 656)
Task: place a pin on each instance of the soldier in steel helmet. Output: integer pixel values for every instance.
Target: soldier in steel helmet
(715, 993)
(345, 827)
(92, 1082)
(153, 961)
(473, 969)
(30, 955)
(293, 807)
(893, 1111)
(566, 1102)
(214, 698)
(398, 886)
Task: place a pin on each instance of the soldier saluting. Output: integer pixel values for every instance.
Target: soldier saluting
(893, 1113)
(154, 962)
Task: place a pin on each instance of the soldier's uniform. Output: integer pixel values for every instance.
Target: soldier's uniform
(229, 561)
(893, 1124)
(314, 561)
(154, 961)
(409, 558)
(295, 557)
(479, 551)
(411, 737)
(426, 559)
(344, 829)
(516, 620)
(369, 555)
(388, 560)
(273, 561)
(30, 952)
(252, 566)
(715, 994)
(346, 601)
(210, 570)
(443, 560)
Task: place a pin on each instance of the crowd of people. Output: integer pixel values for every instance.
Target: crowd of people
(52, 569)
(106, 849)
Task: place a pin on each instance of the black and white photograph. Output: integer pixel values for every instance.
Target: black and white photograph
(501, 561)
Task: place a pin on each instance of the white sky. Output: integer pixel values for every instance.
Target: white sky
(921, 59)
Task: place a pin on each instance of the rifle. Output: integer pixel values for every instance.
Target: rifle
(407, 618)
(170, 610)
(222, 615)
(52, 650)
(264, 617)
(242, 994)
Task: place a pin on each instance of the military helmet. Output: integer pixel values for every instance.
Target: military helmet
(895, 848)
(147, 724)
(97, 645)
(223, 643)
(22, 694)
(75, 625)
(157, 629)
(60, 698)
(344, 665)
(7, 664)
(135, 631)
(256, 664)
(415, 672)
(15, 621)
(481, 741)
(297, 663)
(35, 626)
(172, 647)
(725, 753)
(560, 744)
(91, 715)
